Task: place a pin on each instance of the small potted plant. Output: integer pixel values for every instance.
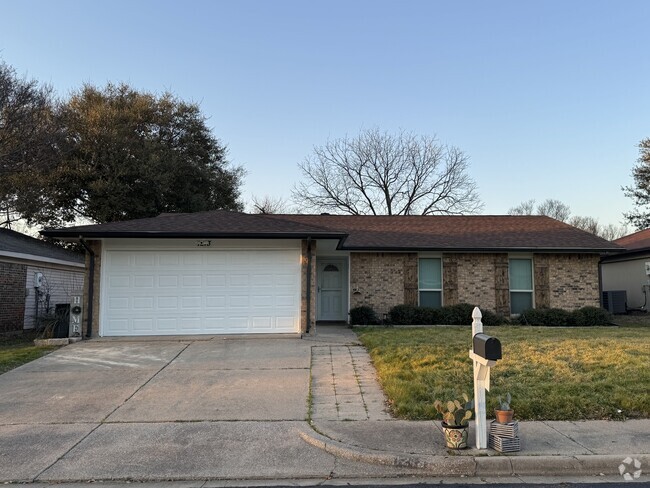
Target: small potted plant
(455, 423)
(504, 413)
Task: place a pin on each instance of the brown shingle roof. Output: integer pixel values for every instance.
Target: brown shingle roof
(484, 232)
(368, 232)
(638, 240)
(216, 223)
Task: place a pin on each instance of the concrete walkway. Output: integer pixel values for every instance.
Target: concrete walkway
(225, 408)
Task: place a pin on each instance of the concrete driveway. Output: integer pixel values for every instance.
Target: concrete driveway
(221, 408)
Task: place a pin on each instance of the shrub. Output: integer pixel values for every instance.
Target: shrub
(460, 314)
(363, 315)
(427, 316)
(587, 316)
(402, 314)
(549, 317)
(491, 318)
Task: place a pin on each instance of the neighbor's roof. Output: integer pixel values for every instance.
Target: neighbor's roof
(17, 245)
(636, 241)
(363, 232)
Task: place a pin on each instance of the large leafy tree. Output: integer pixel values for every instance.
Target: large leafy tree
(382, 173)
(129, 154)
(29, 137)
(640, 192)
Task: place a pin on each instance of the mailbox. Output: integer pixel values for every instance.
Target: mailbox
(487, 347)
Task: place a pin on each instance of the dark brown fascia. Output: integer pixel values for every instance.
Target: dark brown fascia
(185, 235)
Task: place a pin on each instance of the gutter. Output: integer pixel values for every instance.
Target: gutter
(190, 235)
(91, 286)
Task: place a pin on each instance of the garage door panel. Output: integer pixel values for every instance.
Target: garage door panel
(193, 292)
(143, 303)
(143, 281)
(168, 281)
(143, 325)
(191, 302)
(215, 280)
(192, 281)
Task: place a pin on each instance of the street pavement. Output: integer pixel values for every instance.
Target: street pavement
(214, 411)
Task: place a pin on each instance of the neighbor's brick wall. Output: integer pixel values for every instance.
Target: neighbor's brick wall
(573, 280)
(383, 280)
(96, 246)
(303, 287)
(12, 296)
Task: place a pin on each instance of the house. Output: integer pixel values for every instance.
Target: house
(35, 276)
(627, 271)
(227, 272)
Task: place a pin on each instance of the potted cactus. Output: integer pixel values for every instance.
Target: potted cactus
(504, 413)
(455, 424)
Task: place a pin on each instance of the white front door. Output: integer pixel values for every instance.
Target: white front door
(332, 286)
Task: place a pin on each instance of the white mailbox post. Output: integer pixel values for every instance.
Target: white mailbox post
(481, 383)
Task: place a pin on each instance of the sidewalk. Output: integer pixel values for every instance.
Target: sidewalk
(349, 420)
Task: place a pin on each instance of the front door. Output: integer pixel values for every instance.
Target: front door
(332, 281)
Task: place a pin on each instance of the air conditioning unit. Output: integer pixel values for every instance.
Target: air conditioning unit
(615, 301)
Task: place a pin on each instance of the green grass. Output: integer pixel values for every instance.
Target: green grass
(552, 373)
(18, 350)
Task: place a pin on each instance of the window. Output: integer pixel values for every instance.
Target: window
(430, 282)
(521, 285)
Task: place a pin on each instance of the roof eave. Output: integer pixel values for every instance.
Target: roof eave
(76, 235)
(482, 249)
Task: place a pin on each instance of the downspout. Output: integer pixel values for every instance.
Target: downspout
(91, 286)
(308, 285)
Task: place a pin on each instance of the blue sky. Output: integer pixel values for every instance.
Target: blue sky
(548, 98)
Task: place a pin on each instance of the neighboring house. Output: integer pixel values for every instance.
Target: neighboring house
(226, 272)
(627, 270)
(23, 259)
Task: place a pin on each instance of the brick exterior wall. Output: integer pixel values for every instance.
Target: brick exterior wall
(12, 296)
(383, 280)
(378, 280)
(573, 280)
(304, 259)
(475, 280)
(96, 246)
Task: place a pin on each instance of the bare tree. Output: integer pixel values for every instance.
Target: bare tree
(554, 209)
(524, 208)
(562, 212)
(588, 224)
(269, 205)
(380, 173)
(612, 232)
(549, 207)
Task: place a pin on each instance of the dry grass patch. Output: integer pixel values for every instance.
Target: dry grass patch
(552, 373)
(19, 349)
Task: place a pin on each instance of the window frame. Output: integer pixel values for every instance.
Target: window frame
(530, 259)
(439, 290)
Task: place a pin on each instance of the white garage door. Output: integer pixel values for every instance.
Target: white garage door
(200, 292)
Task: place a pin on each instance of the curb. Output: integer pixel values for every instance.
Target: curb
(499, 465)
(437, 465)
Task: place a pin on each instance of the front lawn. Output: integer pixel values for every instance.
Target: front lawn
(18, 350)
(552, 373)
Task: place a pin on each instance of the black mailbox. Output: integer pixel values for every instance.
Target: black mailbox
(487, 347)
